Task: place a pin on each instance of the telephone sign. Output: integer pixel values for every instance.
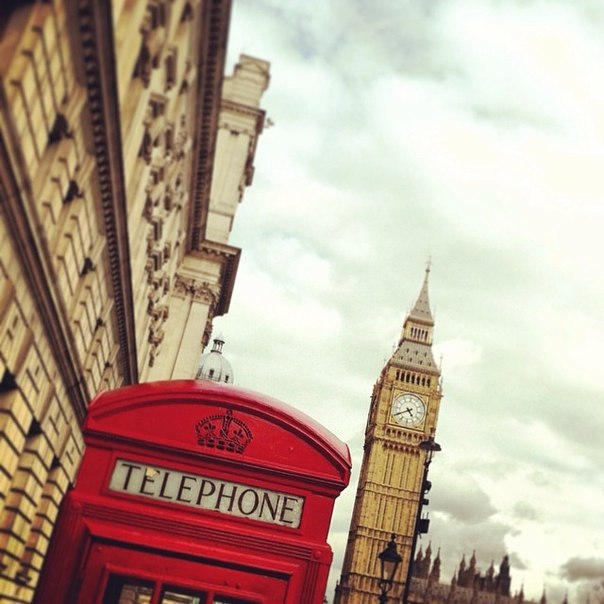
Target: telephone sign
(206, 493)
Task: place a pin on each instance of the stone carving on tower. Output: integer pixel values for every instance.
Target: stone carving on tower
(403, 413)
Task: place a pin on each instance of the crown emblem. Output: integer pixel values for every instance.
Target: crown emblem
(223, 432)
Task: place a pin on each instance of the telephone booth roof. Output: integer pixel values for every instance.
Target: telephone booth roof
(165, 416)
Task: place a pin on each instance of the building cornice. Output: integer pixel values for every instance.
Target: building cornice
(199, 291)
(259, 115)
(99, 77)
(214, 290)
(228, 256)
(214, 25)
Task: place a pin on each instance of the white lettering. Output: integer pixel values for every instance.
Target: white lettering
(207, 493)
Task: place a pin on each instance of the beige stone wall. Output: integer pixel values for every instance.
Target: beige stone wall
(113, 259)
(40, 439)
(202, 284)
(49, 217)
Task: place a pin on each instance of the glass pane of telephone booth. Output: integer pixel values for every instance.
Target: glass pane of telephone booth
(176, 595)
(127, 590)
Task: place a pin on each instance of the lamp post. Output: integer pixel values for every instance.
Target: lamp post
(421, 524)
(389, 561)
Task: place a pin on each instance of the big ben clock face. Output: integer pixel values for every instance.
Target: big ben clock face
(408, 410)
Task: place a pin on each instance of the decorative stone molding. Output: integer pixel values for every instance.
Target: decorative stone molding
(95, 24)
(257, 115)
(228, 256)
(198, 291)
(213, 19)
(207, 333)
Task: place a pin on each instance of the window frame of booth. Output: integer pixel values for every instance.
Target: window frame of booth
(94, 587)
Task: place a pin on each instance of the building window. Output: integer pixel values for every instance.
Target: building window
(156, 16)
(171, 68)
(157, 106)
(8, 382)
(187, 13)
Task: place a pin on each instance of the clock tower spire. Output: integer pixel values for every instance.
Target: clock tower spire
(403, 413)
(421, 311)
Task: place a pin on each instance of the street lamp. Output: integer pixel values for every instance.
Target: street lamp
(389, 561)
(421, 524)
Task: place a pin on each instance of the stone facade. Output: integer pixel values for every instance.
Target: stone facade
(468, 586)
(124, 153)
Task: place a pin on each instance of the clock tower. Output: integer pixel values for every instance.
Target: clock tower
(403, 413)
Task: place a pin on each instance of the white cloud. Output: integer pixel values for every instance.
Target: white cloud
(471, 131)
(457, 353)
(271, 304)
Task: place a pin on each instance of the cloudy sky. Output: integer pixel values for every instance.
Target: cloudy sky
(471, 131)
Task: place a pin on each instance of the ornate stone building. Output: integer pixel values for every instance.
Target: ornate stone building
(124, 153)
(468, 585)
(403, 413)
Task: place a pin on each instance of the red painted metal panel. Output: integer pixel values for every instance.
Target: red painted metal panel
(203, 485)
(283, 438)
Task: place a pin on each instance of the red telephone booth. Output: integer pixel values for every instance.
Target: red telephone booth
(194, 492)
